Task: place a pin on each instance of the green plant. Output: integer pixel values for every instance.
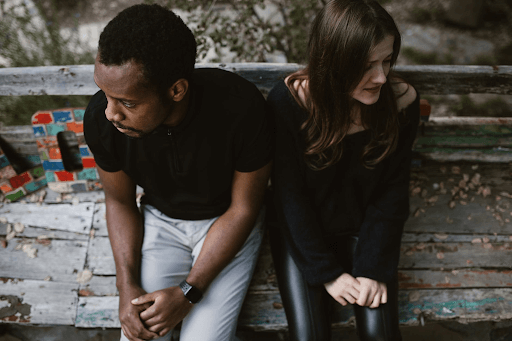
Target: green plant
(31, 36)
(250, 29)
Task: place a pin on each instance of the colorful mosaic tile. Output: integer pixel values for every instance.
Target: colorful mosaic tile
(47, 125)
(15, 186)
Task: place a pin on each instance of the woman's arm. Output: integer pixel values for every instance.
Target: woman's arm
(380, 235)
(297, 218)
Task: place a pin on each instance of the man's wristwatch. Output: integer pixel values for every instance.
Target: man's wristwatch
(192, 293)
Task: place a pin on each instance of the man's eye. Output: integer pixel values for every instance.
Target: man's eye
(128, 105)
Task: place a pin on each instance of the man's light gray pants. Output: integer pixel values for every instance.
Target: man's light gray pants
(170, 249)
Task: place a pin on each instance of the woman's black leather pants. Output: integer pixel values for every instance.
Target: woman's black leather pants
(307, 307)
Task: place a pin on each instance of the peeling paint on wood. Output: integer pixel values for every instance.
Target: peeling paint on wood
(38, 302)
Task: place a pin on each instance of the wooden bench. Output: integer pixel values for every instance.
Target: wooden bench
(456, 252)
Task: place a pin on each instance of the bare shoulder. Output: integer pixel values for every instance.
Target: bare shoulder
(405, 93)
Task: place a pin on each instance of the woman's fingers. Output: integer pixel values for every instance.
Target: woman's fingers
(384, 298)
(376, 301)
(341, 300)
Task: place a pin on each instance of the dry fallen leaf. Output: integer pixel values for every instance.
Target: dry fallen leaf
(465, 177)
(19, 227)
(421, 246)
(486, 191)
(84, 276)
(441, 236)
(452, 204)
(3, 220)
(474, 167)
(455, 170)
(433, 199)
(476, 179)
(414, 296)
(506, 195)
(476, 240)
(277, 305)
(485, 239)
(417, 311)
(48, 278)
(440, 255)
(30, 250)
(10, 235)
(3, 242)
(462, 202)
(487, 246)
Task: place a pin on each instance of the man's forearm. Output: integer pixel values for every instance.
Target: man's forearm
(125, 233)
(223, 241)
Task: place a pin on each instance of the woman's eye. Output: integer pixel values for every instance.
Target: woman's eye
(387, 61)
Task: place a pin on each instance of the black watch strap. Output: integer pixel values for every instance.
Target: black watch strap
(192, 293)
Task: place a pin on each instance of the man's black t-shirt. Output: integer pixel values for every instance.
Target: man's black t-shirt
(186, 171)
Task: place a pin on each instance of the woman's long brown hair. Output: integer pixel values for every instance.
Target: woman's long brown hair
(342, 37)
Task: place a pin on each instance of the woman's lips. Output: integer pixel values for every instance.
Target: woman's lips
(373, 90)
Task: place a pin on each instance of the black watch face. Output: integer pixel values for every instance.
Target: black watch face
(193, 294)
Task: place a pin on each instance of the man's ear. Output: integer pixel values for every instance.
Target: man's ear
(178, 90)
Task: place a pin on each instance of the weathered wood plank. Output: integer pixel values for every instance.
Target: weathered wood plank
(429, 79)
(99, 286)
(73, 218)
(460, 278)
(100, 258)
(263, 311)
(37, 302)
(59, 259)
(42, 233)
(453, 238)
(99, 223)
(455, 255)
(97, 312)
(473, 217)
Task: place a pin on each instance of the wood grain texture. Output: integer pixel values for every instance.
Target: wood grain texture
(59, 259)
(428, 79)
(65, 217)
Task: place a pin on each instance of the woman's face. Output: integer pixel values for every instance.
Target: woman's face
(377, 69)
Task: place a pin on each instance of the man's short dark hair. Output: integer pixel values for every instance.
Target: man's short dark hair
(153, 36)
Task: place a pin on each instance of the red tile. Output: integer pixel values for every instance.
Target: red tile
(64, 176)
(42, 118)
(20, 180)
(88, 162)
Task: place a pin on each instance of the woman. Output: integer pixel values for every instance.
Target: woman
(345, 127)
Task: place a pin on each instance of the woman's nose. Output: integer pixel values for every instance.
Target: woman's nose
(379, 76)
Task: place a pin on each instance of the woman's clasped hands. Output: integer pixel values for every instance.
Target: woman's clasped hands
(362, 291)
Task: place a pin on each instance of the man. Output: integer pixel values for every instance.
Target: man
(199, 144)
